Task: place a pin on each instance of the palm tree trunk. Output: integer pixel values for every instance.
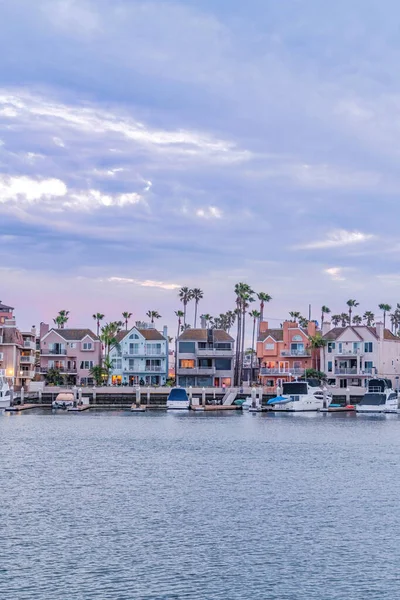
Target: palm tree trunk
(252, 350)
(242, 344)
(195, 313)
(184, 314)
(176, 352)
(236, 377)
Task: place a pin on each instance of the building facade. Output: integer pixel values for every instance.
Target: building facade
(354, 354)
(140, 357)
(285, 353)
(17, 350)
(205, 358)
(71, 352)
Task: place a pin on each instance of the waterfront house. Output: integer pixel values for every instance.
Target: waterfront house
(6, 312)
(205, 358)
(17, 349)
(284, 353)
(353, 354)
(72, 352)
(140, 357)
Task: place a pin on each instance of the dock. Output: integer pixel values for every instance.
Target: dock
(211, 407)
(22, 407)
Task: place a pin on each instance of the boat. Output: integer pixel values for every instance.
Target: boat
(379, 398)
(5, 394)
(301, 396)
(64, 400)
(178, 399)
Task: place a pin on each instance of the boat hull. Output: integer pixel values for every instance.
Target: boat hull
(178, 404)
(386, 408)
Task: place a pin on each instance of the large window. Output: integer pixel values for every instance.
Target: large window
(270, 346)
(223, 346)
(187, 347)
(330, 366)
(86, 364)
(368, 347)
(331, 347)
(223, 364)
(186, 363)
(87, 346)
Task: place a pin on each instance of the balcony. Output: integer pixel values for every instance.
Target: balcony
(30, 345)
(305, 352)
(53, 351)
(27, 360)
(28, 374)
(197, 371)
(151, 369)
(63, 370)
(286, 372)
(348, 352)
(144, 354)
(353, 371)
(223, 352)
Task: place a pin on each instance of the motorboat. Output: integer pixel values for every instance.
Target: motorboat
(178, 399)
(379, 398)
(300, 396)
(64, 400)
(5, 394)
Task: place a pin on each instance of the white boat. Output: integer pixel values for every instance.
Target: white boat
(380, 398)
(300, 396)
(247, 404)
(178, 399)
(5, 394)
(64, 400)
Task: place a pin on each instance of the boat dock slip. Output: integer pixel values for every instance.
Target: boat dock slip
(80, 408)
(210, 407)
(21, 407)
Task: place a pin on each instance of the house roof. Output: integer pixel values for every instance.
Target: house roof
(200, 335)
(4, 307)
(74, 334)
(120, 335)
(151, 334)
(11, 335)
(277, 334)
(336, 332)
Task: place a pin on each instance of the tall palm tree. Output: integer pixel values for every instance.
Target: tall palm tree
(357, 320)
(351, 304)
(180, 315)
(386, 308)
(61, 318)
(244, 295)
(207, 319)
(98, 317)
(126, 316)
(317, 341)
(185, 295)
(197, 295)
(303, 322)
(153, 314)
(256, 315)
(263, 298)
(369, 317)
(344, 317)
(324, 311)
(230, 319)
(295, 315)
(336, 320)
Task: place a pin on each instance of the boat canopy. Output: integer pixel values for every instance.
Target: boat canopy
(279, 400)
(379, 385)
(370, 399)
(295, 387)
(178, 394)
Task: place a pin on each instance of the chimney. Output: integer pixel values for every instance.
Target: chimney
(311, 328)
(326, 326)
(44, 328)
(263, 326)
(203, 323)
(380, 331)
(165, 332)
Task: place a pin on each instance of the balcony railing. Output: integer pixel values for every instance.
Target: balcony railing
(51, 351)
(305, 352)
(27, 359)
(348, 352)
(197, 371)
(66, 370)
(353, 371)
(128, 354)
(276, 371)
(30, 345)
(28, 374)
(151, 369)
(224, 352)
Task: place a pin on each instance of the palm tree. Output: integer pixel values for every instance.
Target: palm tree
(317, 341)
(357, 320)
(324, 311)
(61, 318)
(185, 295)
(197, 295)
(386, 308)
(109, 336)
(344, 317)
(230, 319)
(351, 304)
(263, 298)
(127, 316)
(255, 314)
(207, 319)
(336, 320)
(303, 322)
(179, 314)
(243, 298)
(369, 317)
(98, 317)
(153, 314)
(295, 315)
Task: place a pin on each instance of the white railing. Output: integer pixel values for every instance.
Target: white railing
(353, 371)
(277, 371)
(305, 352)
(197, 371)
(30, 345)
(127, 354)
(214, 352)
(28, 359)
(151, 369)
(348, 351)
(28, 374)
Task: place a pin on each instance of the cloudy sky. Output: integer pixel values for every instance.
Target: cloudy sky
(146, 145)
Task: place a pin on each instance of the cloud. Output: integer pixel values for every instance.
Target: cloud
(338, 238)
(145, 283)
(211, 212)
(336, 273)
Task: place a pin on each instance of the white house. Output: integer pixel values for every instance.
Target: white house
(140, 357)
(354, 354)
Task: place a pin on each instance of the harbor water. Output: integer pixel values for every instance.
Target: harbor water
(199, 506)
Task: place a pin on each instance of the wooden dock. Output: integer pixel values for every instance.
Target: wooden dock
(22, 407)
(213, 407)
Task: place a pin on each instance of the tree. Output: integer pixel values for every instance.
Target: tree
(357, 320)
(314, 374)
(61, 318)
(295, 315)
(185, 295)
(126, 316)
(53, 377)
(98, 317)
(255, 315)
(99, 373)
(263, 298)
(317, 341)
(303, 322)
(207, 319)
(197, 295)
(344, 317)
(244, 295)
(324, 311)
(386, 308)
(351, 304)
(369, 317)
(108, 336)
(108, 368)
(230, 320)
(180, 315)
(336, 320)
(153, 314)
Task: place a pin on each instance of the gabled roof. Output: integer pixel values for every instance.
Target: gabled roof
(11, 335)
(151, 334)
(5, 308)
(336, 332)
(73, 335)
(200, 335)
(276, 334)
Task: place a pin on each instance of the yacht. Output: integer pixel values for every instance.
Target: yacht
(178, 399)
(300, 396)
(64, 400)
(5, 394)
(379, 398)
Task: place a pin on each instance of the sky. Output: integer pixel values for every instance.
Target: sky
(147, 145)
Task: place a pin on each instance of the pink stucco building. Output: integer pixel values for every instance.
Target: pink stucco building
(17, 349)
(73, 352)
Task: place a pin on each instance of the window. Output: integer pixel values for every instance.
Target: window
(72, 345)
(297, 349)
(223, 346)
(186, 363)
(330, 366)
(340, 347)
(269, 346)
(117, 363)
(223, 364)
(331, 347)
(356, 346)
(134, 336)
(87, 346)
(368, 347)
(133, 348)
(187, 347)
(86, 364)
(297, 338)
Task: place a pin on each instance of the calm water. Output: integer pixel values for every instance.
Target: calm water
(167, 506)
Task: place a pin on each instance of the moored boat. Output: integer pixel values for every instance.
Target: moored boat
(301, 396)
(5, 394)
(64, 400)
(178, 399)
(379, 398)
